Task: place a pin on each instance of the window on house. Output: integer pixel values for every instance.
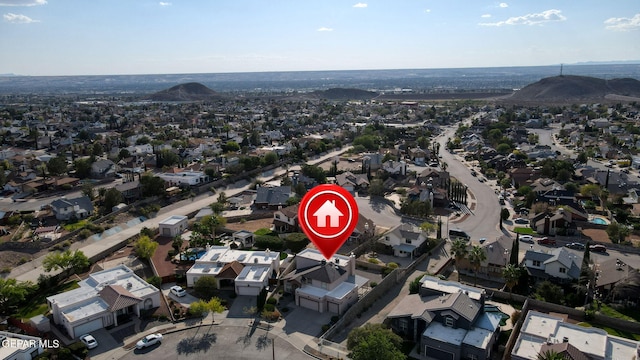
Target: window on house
(448, 321)
(323, 285)
(536, 263)
(403, 325)
(408, 241)
(563, 270)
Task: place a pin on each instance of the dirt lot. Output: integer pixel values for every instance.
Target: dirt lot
(251, 225)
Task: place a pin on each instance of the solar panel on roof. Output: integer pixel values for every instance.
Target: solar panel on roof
(242, 257)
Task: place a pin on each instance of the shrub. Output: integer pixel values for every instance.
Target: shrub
(515, 316)
(5, 270)
(66, 243)
(269, 307)
(79, 349)
(84, 233)
(392, 265)
(334, 319)
(272, 301)
(373, 261)
(269, 242)
(171, 253)
(155, 281)
(270, 315)
(23, 260)
(373, 284)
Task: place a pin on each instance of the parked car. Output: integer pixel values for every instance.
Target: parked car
(521, 221)
(546, 241)
(178, 291)
(149, 340)
(598, 248)
(526, 238)
(89, 340)
(575, 245)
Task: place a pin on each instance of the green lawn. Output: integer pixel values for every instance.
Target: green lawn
(624, 314)
(75, 226)
(610, 331)
(523, 230)
(37, 304)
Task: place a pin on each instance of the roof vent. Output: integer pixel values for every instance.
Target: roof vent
(337, 261)
(255, 260)
(565, 339)
(323, 262)
(129, 285)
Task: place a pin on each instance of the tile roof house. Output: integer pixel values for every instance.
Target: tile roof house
(236, 269)
(323, 285)
(541, 331)
(560, 264)
(76, 208)
(100, 299)
(285, 220)
(447, 321)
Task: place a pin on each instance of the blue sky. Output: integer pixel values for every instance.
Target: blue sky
(106, 37)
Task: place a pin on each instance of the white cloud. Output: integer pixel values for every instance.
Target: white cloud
(22, 2)
(623, 24)
(162, 3)
(503, 5)
(360, 5)
(18, 19)
(325, 29)
(531, 19)
(485, 16)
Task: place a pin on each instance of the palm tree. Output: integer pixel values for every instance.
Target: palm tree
(550, 355)
(476, 257)
(511, 274)
(459, 250)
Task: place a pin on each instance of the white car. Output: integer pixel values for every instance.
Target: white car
(178, 291)
(526, 238)
(89, 340)
(149, 340)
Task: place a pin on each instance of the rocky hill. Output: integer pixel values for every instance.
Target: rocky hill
(570, 88)
(186, 92)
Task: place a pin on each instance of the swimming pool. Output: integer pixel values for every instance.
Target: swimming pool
(599, 221)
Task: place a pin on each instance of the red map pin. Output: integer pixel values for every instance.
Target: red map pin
(328, 214)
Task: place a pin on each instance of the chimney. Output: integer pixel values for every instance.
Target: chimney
(352, 264)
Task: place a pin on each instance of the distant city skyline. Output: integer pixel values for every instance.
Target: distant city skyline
(64, 37)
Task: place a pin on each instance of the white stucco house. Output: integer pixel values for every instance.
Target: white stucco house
(559, 264)
(324, 285)
(173, 226)
(100, 299)
(186, 178)
(543, 332)
(247, 272)
(404, 239)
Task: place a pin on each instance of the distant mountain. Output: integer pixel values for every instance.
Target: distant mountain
(569, 88)
(186, 92)
(345, 94)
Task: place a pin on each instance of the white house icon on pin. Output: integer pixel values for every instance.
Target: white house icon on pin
(328, 209)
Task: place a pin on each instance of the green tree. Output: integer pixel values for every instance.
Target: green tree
(511, 274)
(547, 291)
(427, 227)
(617, 233)
(374, 342)
(376, 188)
(151, 185)
(296, 242)
(177, 243)
(66, 261)
(145, 247)
(270, 158)
(57, 165)
(206, 287)
(83, 168)
(87, 190)
(504, 214)
(112, 197)
(591, 190)
(459, 250)
(12, 293)
(476, 257)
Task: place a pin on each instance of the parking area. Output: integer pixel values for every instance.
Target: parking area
(182, 300)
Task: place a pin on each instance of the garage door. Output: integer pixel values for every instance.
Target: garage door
(88, 327)
(438, 354)
(309, 304)
(247, 290)
(334, 308)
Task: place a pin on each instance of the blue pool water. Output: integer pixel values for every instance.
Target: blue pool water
(192, 256)
(599, 221)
